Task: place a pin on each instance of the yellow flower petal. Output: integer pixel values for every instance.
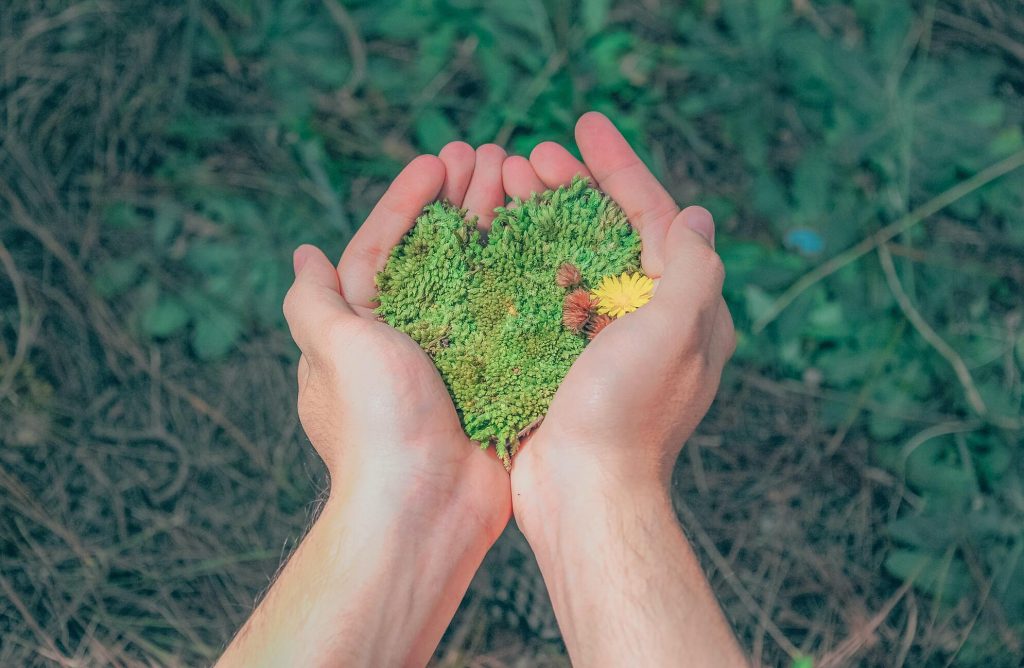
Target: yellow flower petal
(618, 295)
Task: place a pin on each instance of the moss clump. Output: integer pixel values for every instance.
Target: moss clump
(489, 312)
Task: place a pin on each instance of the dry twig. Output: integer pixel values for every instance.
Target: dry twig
(963, 374)
(926, 331)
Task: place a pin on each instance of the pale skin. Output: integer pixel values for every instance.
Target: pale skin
(414, 506)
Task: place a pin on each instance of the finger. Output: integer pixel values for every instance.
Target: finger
(459, 158)
(555, 166)
(699, 219)
(416, 186)
(691, 285)
(519, 179)
(314, 301)
(620, 173)
(486, 192)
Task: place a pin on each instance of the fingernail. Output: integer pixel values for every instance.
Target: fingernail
(299, 258)
(700, 221)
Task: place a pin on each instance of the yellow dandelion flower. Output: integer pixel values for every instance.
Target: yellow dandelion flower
(618, 295)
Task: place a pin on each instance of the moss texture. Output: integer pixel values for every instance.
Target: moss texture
(488, 311)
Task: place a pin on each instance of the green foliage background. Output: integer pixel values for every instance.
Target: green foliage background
(160, 160)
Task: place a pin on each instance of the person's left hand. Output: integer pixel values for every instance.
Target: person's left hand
(370, 400)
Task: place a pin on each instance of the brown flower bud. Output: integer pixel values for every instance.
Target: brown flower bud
(577, 309)
(596, 324)
(568, 275)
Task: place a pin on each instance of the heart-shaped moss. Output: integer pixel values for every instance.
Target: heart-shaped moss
(489, 312)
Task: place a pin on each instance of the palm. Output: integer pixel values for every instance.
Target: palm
(411, 401)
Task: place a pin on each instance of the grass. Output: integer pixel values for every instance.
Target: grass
(856, 492)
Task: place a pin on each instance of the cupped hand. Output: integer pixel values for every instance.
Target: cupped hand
(640, 388)
(370, 400)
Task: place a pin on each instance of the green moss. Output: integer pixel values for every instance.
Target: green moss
(489, 312)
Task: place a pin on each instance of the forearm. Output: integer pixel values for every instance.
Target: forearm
(372, 584)
(626, 587)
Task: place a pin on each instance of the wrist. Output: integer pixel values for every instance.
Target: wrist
(562, 500)
(405, 566)
(411, 512)
(614, 549)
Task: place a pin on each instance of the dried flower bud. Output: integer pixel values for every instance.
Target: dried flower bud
(577, 309)
(568, 275)
(596, 324)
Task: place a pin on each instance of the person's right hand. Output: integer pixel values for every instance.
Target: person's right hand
(414, 505)
(638, 390)
(370, 400)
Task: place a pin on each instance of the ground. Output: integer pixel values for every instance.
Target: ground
(855, 491)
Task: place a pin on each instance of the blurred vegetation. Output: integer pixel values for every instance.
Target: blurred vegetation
(160, 160)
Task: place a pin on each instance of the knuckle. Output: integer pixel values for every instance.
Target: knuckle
(290, 304)
(368, 253)
(712, 265)
(663, 212)
(302, 372)
(730, 335)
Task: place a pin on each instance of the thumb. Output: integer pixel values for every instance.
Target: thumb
(314, 300)
(687, 307)
(694, 274)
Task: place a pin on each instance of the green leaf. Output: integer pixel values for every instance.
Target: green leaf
(768, 196)
(811, 181)
(758, 301)
(167, 317)
(986, 113)
(934, 466)
(884, 426)
(927, 532)
(434, 130)
(214, 257)
(121, 214)
(826, 321)
(117, 276)
(165, 223)
(1006, 142)
(215, 334)
(944, 577)
(595, 15)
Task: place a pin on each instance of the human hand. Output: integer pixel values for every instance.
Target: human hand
(414, 505)
(590, 485)
(370, 400)
(639, 389)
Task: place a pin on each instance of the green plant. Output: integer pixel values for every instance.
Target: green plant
(490, 313)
